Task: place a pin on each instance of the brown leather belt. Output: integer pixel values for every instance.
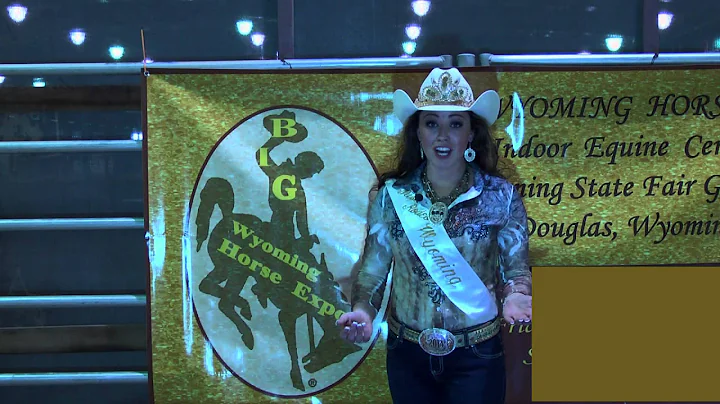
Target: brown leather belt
(475, 335)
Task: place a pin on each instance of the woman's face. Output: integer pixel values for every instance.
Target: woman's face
(444, 136)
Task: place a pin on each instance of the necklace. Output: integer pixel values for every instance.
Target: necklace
(439, 208)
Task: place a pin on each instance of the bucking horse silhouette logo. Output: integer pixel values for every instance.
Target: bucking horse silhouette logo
(286, 272)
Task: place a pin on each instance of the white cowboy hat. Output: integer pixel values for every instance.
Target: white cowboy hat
(447, 90)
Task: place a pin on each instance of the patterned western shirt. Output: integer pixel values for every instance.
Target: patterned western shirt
(489, 230)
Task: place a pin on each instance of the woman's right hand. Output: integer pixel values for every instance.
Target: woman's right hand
(356, 326)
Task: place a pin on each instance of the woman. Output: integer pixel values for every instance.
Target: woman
(457, 232)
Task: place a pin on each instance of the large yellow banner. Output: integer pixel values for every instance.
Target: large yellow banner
(258, 186)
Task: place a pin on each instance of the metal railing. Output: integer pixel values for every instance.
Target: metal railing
(70, 378)
(488, 59)
(137, 68)
(70, 146)
(122, 223)
(71, 301)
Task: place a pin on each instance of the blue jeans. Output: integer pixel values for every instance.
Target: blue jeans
(474, 374)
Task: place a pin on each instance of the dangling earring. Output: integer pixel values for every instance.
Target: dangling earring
(422, 154)
(469, 153)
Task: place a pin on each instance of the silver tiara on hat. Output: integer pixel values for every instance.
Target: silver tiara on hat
(447, 90)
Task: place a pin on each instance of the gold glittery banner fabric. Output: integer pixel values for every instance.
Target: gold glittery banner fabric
(618, 167)
(258, 188)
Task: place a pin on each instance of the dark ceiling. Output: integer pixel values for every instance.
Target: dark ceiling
(181, 30)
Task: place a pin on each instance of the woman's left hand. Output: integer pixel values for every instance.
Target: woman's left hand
(517, 307)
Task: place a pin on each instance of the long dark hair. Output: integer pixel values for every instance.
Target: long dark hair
(408, 157)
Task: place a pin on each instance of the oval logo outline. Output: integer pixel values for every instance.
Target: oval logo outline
(264, 158)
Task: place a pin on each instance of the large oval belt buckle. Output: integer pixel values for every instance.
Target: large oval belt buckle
(437, 342)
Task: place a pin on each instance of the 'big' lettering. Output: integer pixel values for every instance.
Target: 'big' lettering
(287, 193)
(283, 124)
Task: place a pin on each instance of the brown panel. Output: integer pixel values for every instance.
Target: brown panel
(624, 333)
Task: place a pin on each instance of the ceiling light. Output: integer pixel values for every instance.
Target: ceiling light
(116, 52)
(258, 39)
(664, 19)
(17, 12)
(421, 7)
(412, 31)
(77, 36)
(409, 47)
(614, 42)
(244, 27)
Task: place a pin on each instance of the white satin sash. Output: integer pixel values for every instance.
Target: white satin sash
(441, 258)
